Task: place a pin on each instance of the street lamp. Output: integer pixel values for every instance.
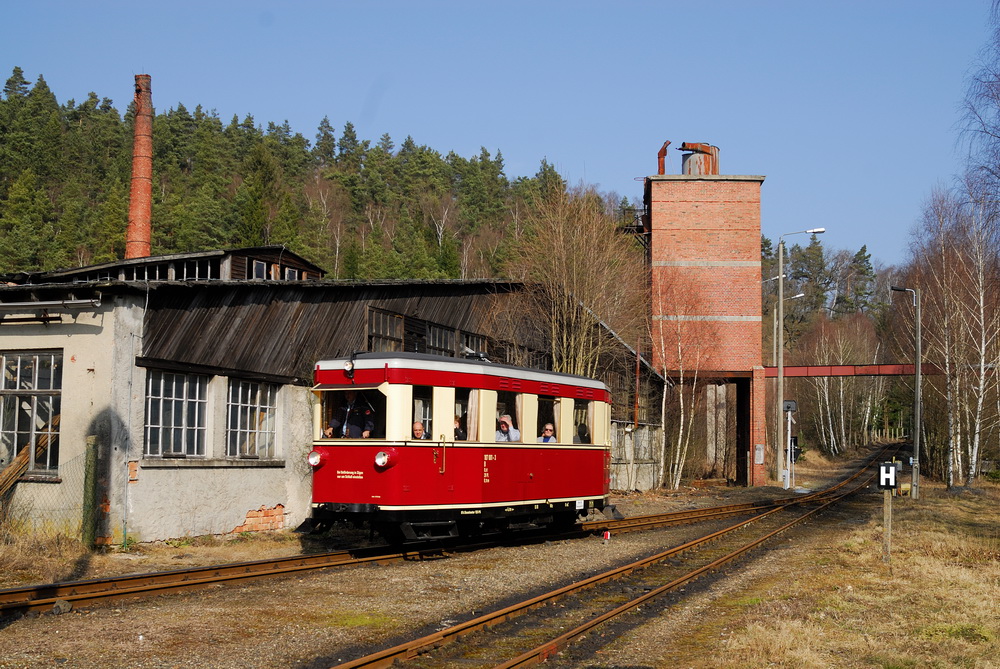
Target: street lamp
(780, 395)
(915, 482)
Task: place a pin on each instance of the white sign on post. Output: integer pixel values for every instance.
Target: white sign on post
(887, 476)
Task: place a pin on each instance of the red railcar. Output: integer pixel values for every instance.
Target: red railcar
(466, 473)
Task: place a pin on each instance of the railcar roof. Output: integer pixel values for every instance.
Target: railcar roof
(446, 364)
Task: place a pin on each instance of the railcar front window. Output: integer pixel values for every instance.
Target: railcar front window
(353, 414)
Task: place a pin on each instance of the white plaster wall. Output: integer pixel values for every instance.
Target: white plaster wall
(85, 338)
(104, 397)
(632, 470)
(212, 495)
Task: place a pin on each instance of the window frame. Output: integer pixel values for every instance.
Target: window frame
(255, 408)
(193, 416)
(38, 400)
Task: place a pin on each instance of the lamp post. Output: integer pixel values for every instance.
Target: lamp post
(774, 335)
(915, 482)
(780, 394)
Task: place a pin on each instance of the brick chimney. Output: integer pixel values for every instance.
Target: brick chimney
(140, 207)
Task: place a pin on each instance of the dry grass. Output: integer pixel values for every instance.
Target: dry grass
(32, 556)
(933, 605)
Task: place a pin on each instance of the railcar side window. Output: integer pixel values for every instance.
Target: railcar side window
(422, 407)
(548, 414)
(352, 413)
(583, 418)
(467, 422)
(508, 407)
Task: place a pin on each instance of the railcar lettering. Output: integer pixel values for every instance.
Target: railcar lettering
(343, 474)
(470, 512)
(489, 456)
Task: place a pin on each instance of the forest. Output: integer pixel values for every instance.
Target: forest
(356, 208)
(374, 210)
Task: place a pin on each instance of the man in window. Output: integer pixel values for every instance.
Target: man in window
(418, 431)
(506, 430)
(355, 418)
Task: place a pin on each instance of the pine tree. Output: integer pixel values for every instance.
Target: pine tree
(26, 233)
(324, 151)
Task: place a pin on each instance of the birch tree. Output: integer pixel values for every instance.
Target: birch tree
(681, 347)
(840, 409)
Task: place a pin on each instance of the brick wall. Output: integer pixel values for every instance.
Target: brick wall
(705, 252)
(706, 297)
(264, 518)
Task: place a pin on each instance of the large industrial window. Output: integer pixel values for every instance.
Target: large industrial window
(199, 269)
(251, 419)
(31, 388)
(472, 345)
(440, 340)
(385, 331)
(175, 414)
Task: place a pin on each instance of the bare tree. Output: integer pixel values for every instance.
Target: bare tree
(584, 277)
(982, 108)
(329, 204)
(440, 209)
(956, 257)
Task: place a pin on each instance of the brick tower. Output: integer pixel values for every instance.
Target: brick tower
(704, 246)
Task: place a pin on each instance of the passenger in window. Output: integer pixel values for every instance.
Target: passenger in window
(548, 434)
(355, 419)
(460, 434)
(419, 432)
(506, 430)
(582, 434)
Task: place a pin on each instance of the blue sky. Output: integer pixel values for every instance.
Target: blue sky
(849, 108)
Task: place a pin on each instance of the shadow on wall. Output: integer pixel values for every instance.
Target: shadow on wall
(106, 436)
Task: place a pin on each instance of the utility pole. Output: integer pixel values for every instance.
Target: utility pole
(780, 394)
(915, 481)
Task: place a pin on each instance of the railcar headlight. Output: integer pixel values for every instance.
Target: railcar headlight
(315, 458)
(381, 459)
(349, 369)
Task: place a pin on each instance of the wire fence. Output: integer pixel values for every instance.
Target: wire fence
(72, 504)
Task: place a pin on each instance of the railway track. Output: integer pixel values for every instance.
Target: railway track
(537, 629)
(60, 597)
(76, 593)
